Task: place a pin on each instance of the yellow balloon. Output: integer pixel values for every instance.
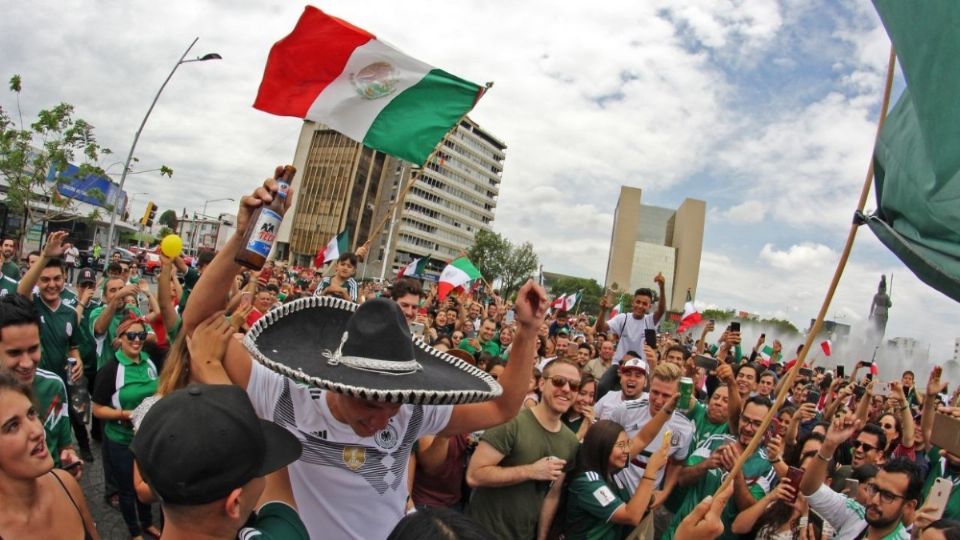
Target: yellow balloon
(171, 245)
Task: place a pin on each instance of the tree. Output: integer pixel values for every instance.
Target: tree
(496, 257)
(169, 219)
(28, 154)
(165, 231)
(590, 289)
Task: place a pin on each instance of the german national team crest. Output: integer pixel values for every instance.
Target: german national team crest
(388, 438)
(354, 457)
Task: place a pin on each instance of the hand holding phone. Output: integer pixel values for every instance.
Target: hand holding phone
(650, 336)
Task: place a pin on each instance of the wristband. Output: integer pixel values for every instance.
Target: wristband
(650, 479)
(775, 461)
(821, 458)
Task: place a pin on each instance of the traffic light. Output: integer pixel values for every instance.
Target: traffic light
(148, 215)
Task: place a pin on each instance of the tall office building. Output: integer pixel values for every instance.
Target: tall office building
(647, 240)
(342, 184)
(336, 188)
(455, 196)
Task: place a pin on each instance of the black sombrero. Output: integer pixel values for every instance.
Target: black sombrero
(365, 351)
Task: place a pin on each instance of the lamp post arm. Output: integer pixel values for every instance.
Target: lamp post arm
(136, 137)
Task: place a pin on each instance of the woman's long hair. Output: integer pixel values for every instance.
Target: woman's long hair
(595, 451)
(176, 368)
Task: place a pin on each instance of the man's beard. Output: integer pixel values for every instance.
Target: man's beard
(880, 523)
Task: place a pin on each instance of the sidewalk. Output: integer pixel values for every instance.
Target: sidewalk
(109, 521)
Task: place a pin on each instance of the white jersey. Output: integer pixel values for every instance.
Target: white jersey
(631, 334)
(346, 486)
(633, 416)
(605, 406)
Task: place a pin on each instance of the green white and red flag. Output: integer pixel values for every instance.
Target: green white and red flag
(337, 246)
(332, 72)
(416, 267)
(457, 274)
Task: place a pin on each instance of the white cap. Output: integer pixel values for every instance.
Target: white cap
(635, 363)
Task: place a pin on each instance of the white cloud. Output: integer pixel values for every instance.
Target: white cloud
(746, 212)
(799, 257)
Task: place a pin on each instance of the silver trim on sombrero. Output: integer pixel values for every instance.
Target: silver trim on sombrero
(412, 396)
(383, 367)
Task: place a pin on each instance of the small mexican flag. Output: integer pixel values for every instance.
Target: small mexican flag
(571, 300)
(337, 246)
(332, 72)
(559, 302)
(458, 273)
(415, 268)
(767, 354)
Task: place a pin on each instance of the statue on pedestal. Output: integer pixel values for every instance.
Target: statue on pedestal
(879, 310)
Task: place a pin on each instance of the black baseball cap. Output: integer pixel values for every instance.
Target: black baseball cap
(199, 443)
(86, 276)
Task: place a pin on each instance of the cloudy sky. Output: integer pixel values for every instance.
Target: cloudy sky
(765, 109)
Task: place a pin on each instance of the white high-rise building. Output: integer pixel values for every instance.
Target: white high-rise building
(455, 196)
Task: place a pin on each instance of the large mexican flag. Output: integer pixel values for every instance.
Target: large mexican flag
(329, 71)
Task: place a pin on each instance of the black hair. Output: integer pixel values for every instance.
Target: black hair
(897, 426)
(348, 256)
(405, 286)
(270, 287)
(795, 459)
(864, 472)
(586, 346)
(440, 523)
(874, 429)
(908, 372)
(16, 310)
(34, 252)
(114, 267)
(644, 291)
(55, 262)
(562, 313)
(683, 350)
(594, 454)
(758, 400)
(903, 465)
(204, 258)
(950, 528)
(490, 361)
(749, 365)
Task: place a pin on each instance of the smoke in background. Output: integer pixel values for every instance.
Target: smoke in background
(892, 358)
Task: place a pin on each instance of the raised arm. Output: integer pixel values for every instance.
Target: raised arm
(662, 301)
(934, 387)
(53, 248)
(840, 430)
(531, 307)
(907, 426)
(601, 324)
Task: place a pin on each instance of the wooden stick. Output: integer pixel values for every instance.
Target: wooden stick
(841, 264)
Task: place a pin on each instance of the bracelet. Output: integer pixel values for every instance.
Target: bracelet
(650, 479)
(905, 407)
(775, 461)
(821, 458)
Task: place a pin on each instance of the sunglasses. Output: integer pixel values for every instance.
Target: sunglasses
(559, 381)
(134, 336)
(886, 496)
(888, 426)
(866, 447)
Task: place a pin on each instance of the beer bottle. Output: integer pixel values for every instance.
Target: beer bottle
(265, 224)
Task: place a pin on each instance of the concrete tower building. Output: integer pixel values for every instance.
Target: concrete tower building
(648, 239)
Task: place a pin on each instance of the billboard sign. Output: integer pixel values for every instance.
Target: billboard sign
(83, 189)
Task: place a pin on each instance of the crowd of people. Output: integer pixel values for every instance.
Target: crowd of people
(300, 403)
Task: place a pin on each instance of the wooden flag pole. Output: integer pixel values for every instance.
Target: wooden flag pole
(841, 264)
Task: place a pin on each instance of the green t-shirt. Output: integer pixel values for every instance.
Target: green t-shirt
(123, 384)
(512, 511)
(591, 502)
(87, 344)
(7, 285)
(53, 408)
(938, 469)
(757, 471)
(11, 270)
(491, 347)
(275, 520)
(703, 429)
(58, 335)
(104, 342)
(190, 279)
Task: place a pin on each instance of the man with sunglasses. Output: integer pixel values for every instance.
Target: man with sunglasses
(518, 468)
(894, 491)
(868, 448)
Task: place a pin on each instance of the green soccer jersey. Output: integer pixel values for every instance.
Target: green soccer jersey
(123, 383)
(11, 270)
(939, 469)
(53, 408)
(104, 342)
(7, 285)
(275, 521)
(703, 429)
(58, 335)
(591, 502)
(87, 344)
(757, 471)
(491, 347)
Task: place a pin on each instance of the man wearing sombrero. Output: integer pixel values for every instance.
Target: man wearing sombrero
(356, 390)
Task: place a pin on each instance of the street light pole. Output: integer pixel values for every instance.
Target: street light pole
(203, 216)
(136, 137)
